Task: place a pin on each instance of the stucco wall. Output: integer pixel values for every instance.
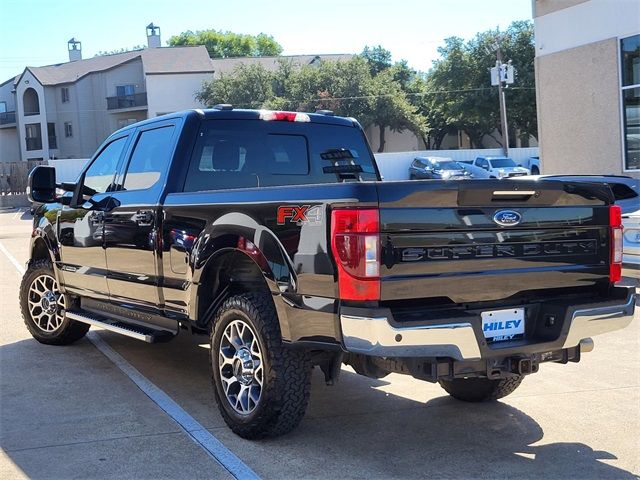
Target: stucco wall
(170, 93)
(29, 81)
(7, 96)
(9, 145)
(543, 7)
(579, 110)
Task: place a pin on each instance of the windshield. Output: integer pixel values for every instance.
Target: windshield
(502, 162)
(447, 165)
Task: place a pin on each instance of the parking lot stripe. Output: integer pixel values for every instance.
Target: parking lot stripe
(12, 259)
(190, 425)
(194, 430)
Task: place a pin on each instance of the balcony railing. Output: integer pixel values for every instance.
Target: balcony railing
(7, 118)
(34, 143)
(127, 101)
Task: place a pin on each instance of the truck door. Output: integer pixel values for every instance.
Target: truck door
(130, 228)
(81, 230)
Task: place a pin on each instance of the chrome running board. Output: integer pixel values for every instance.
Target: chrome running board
(134, 331)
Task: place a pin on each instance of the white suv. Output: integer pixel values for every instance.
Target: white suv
(500, 167)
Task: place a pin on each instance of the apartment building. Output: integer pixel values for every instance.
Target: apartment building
(67, 110)
(588, 85)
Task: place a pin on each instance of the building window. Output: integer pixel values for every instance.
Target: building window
(68, 129)
(125, 90)
(33, 136)
(3, 107)
(65, 94)
(51, 133)
(630, 62)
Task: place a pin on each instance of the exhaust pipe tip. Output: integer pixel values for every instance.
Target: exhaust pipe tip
(586, 345)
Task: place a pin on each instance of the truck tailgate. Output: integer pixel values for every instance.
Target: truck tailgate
(485, 240)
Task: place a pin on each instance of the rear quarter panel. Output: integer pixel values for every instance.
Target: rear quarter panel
(294, 255)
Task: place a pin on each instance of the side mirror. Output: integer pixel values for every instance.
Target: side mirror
(41, 185)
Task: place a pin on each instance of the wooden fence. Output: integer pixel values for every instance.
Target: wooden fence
(13, 176)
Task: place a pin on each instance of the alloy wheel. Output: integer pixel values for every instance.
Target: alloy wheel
(46, 303)
(241, 368)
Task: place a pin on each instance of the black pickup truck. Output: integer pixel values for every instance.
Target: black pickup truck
(272, 233)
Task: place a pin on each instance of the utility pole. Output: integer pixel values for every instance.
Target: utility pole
(502, 75)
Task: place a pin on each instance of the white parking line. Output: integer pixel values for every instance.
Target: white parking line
(194, 429)
(190, 425)
(12, 259)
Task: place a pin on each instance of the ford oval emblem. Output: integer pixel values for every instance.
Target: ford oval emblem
(507, 218)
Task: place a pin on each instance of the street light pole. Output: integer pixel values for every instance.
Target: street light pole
(503, 103)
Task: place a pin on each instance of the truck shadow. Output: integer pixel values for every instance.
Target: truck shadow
(356, 429)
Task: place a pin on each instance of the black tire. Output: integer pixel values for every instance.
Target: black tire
(68, 331)
(286, 373)
(535, 170)
(480, 389)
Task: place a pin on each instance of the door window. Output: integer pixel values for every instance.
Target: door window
(100, 174)
(151, 157)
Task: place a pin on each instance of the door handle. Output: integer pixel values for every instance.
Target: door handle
(143, 218)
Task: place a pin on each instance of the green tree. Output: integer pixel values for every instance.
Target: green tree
(249, 86)
(346, 87)
(458, 93)
(378, 58)
(221, 44)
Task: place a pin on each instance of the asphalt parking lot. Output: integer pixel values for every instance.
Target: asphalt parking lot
(70, 412)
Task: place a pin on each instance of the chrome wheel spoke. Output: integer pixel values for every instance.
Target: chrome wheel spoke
(46, 304)
(240, 367)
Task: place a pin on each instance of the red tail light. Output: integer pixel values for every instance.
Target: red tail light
(355, 243)
(270, 115)
(615, 227)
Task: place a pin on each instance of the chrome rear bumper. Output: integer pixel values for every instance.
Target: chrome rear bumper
(375, 336)
(595, 321)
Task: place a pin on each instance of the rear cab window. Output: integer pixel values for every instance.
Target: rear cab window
(255, 153)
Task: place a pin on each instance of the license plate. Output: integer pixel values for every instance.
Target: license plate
(501, 325)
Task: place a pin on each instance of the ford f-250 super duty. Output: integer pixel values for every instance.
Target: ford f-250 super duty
(272, 233)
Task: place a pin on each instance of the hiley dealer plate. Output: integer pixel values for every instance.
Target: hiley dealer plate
(505, 324)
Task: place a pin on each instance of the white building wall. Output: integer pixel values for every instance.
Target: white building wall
(9, 145)
(29, 81)
(8, 97)
(130, 73)
(168, 93)
(584, 23)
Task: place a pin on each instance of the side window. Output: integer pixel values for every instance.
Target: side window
(99, 175)
(150, 158)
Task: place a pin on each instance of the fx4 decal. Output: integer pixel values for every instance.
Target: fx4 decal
(300, 214)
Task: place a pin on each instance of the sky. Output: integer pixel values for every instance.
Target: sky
(35, 32)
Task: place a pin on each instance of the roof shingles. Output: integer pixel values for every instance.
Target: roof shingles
(154, 60)
(193, 59)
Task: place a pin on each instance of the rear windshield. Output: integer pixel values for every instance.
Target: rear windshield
(502, 162)
(256, 153)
